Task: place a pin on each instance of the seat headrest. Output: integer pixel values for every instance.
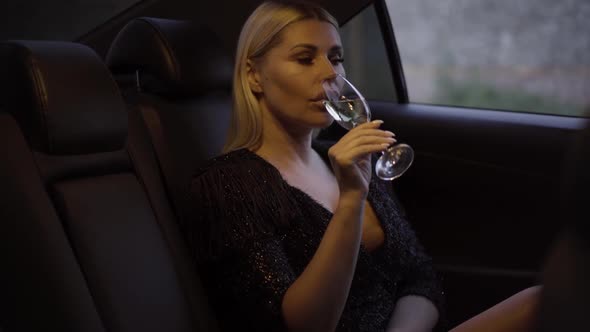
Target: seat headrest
(173, 58)
(63, 97)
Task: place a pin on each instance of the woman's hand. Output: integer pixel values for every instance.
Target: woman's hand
(351, 156)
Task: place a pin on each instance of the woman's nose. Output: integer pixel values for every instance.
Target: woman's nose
(328, 71)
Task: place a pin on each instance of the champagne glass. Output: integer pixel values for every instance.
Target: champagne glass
(349, 108)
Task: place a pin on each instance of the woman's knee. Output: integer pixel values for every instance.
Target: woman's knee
(515, 314)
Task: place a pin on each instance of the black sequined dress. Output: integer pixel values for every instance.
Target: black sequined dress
(252, 234)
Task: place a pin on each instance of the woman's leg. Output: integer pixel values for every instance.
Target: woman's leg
(517, 313)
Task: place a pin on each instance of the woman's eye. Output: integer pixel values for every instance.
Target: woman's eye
(336, 61)
(309, 60)
(305, 61)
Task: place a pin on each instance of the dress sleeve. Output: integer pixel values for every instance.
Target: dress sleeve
(254, 280)
(418, 274)
(417, 270)
(236, 235)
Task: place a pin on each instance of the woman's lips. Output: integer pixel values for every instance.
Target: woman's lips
(319, 104)
(319, 97)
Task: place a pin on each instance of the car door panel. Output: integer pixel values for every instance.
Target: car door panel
(482, 194)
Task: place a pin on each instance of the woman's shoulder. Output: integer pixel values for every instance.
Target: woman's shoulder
(236, 197)
(237, 160)
(239, 175)
(235, 177)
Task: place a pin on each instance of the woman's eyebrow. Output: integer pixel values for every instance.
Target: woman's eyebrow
(333, 49)
(336, 49)
(307, 46)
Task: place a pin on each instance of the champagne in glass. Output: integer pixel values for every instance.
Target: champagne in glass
(348, 112)
(349, 108)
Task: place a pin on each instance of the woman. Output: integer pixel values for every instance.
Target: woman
(293, 234)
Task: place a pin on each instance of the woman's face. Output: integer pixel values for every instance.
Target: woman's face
(288, 78)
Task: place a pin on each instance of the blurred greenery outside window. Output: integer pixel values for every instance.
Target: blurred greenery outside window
(525, 55)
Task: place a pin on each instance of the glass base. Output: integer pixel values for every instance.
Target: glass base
(394, 162)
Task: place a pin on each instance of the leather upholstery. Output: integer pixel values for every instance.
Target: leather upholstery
(88, 240)
(62, 96)
(40, 277)
(183, 106)
(174, 58)
(127, 264)
(187, 112)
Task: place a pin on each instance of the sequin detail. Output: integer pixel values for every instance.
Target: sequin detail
(253, 234)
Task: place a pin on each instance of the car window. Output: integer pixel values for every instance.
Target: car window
(55, 20)
(525, 55)
(365, 56)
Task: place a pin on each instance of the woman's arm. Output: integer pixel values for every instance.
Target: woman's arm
(316, 299)
(420, 306)
(233, 231)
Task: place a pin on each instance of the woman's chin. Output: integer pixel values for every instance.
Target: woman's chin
(328, 122)
(324, 122)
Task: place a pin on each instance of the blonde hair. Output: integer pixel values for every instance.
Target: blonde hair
(260, 33)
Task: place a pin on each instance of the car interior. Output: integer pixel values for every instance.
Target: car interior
(100, 136)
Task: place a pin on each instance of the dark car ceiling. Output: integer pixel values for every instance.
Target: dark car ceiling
(223, 16)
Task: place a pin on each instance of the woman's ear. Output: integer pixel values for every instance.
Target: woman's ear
(253, 77)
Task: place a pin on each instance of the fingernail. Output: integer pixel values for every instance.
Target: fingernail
(390, 133)
(378, 121)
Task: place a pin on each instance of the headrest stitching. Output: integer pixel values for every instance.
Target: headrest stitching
(41, 92)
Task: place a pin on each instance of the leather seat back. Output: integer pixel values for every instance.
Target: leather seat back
(178, 76)
(87, 236)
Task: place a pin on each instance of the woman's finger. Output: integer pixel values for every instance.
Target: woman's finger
(352, 136)
(368, 125)
(357, 153)
(364, 140)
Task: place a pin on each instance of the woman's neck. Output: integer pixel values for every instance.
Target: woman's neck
(285, 148)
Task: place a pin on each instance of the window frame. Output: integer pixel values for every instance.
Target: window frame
(391, 47)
